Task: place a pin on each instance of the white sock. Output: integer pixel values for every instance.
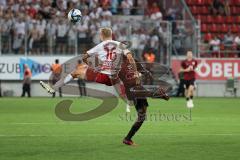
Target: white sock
(67, 79)
(62, 82)
(128, 107)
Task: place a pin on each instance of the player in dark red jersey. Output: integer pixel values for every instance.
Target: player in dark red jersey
(137, 93)
(188, 67)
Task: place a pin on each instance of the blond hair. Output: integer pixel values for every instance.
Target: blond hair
(106, 32)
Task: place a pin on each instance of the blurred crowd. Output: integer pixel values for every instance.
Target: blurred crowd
(229, 43)
(41, 26)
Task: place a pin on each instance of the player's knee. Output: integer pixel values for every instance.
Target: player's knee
(74, 74)
(191, 88)
(142, 116)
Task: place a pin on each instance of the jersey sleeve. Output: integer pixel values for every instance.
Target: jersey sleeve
(126, 51)
(195, 64)
(93, 51)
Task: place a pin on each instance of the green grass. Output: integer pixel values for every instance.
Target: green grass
(29, 130)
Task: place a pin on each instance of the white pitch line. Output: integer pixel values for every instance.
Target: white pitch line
(105, 123)
(107, 135)
(69, 123)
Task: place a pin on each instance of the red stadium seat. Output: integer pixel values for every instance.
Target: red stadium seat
(213, 28)
(222, 47)
(235, 10)
(219, 19)
(209, 19)
(190, 2)
(236, 2)
(203, 19)
(221, 36)
(208, 37)
(194, 10)
(235, 29)
(199, 17)
(199, 2)
(207, 2)
(204, 28)
(237, 19)
(204, 10)
(224, 28)
(232, 55)
(229, 19)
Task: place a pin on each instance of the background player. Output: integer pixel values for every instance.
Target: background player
(27, 75)
(56, 75)
(188, 67)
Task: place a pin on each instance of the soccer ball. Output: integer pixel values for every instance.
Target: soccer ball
(74, 15)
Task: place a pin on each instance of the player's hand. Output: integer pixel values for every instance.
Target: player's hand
(137, 75)
(188, 69)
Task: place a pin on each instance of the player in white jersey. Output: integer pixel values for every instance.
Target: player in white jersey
(109, 53)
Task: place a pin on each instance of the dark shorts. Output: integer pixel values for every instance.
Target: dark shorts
(188, 83)
(61, 40)
(55, 78)
(94, 76)
(140, 103)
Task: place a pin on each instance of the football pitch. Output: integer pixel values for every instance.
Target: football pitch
(30, 130)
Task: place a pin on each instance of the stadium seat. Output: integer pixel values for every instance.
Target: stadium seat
(213, 28)
(234, 29)
(209, 19)
(237, 19)
(219, 19)
(204, 10)
(224, 28)
(194, 10)
(208, 37)
(229, 19)
(207, 2)
(199, 17)
(235, 10)
(221, 36)
(190, 2)
(199, 2)
(203, 19)
(236, 2)
(204, 28)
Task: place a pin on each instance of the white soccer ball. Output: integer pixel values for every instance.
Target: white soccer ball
(74, 15)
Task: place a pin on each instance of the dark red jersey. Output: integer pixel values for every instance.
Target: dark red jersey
(126, 73)
(191, 74)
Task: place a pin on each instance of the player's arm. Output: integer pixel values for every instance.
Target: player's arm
(195, 65)
(184, 68)
(133, 63)
(85, 57)
(90, 53)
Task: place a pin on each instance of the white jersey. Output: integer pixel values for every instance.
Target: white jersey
(110, 54)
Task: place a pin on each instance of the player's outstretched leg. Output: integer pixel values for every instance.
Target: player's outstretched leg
(77, 73)
(141, 92)
(141, 118)
(47, 87)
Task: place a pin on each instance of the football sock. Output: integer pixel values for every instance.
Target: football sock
(137, 124)
(133, 130)
(62, 81)
(191, 97)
